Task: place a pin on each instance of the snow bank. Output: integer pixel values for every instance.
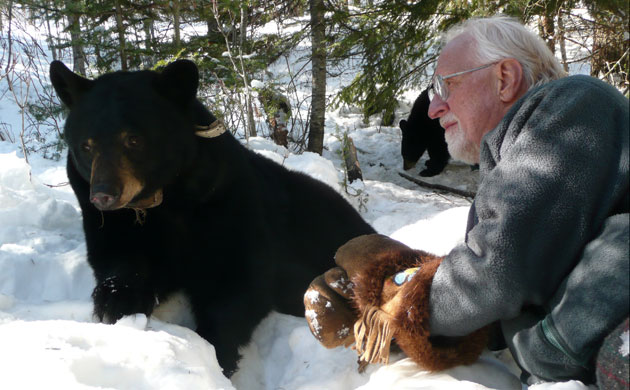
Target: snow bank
(42, 249)
(73, 355)
(310, 163)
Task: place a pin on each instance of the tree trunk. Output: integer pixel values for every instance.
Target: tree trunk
(277, 111)
(213, 26)
(561, 42)
(50, 38)
(9, 37)
(353, 169)
(546, 27)
(149, 43)
(176, 22)
(318, 99)
(74, 24)
(121, 36)
(251, 124)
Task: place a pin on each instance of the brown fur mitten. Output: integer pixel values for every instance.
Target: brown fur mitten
(392, 297)
(374, 250)
(410, 311)
(329, 312)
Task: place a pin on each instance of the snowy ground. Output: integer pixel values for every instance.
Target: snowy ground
(49, 340)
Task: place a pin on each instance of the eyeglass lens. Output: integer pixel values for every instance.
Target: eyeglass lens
(438, 88)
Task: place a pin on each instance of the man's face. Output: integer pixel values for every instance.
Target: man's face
(473, 107)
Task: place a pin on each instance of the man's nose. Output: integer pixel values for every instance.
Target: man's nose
(438, 108)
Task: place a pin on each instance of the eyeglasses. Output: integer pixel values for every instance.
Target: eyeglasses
(438, 86)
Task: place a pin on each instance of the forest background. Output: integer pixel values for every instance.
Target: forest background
(387, 47)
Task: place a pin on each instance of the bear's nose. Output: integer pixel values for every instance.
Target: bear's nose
(103, 198)
(103, 201)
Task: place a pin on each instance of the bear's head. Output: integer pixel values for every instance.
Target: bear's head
(412, 146)
(130, 134)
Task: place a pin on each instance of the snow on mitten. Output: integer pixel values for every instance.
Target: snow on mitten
(392, 296)
(329, 312)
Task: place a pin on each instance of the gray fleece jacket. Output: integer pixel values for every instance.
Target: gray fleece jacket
(546, 250)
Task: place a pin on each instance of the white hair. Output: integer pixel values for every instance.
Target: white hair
(501, 37)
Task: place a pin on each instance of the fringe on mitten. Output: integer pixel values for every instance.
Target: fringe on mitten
(373, 335)
(402, 312)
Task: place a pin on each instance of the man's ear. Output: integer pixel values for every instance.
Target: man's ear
(511, 80)
(68, 85)
(179, 81)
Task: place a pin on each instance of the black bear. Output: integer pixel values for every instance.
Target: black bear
(420, 133)
(172, 203)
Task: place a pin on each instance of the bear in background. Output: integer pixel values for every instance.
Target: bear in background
(173, 204)
(420, 133)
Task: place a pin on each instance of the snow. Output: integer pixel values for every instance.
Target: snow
(49, 338)
(312, 295)
(64, 354)
(257, 84)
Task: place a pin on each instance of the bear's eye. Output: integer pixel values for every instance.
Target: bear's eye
(86, 147)
(133, 141)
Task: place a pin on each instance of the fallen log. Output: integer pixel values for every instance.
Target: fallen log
(439, 187)
(353, 169)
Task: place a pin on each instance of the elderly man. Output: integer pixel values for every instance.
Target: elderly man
(545, 260)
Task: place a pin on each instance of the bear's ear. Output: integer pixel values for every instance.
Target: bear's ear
(403, 125)
(68, 85)
(179, 81)
(424, 96)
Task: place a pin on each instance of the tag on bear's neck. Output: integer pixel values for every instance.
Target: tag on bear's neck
(212, 130)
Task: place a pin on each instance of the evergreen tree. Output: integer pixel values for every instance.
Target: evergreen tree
(392, 43)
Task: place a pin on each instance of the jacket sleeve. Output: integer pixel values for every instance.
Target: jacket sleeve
(552, 171)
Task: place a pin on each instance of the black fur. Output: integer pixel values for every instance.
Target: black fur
(420, 133)
(238, 233)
